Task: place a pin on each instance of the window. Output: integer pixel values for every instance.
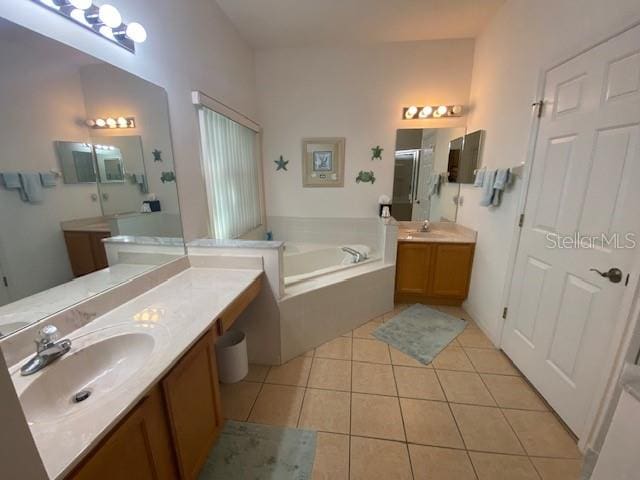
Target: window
(232, 175)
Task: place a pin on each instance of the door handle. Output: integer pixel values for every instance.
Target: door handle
(614, 274)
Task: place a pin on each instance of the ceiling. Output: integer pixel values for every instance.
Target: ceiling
(294, 23)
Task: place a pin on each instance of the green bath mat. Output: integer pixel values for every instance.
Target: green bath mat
(247, 451)
(420, 332)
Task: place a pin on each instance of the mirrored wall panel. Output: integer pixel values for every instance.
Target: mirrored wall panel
(88, 196)
(421, 189)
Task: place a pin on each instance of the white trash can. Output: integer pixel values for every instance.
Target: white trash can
(231, 353)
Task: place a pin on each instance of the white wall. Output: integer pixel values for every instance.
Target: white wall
(41, 102)
(524, 38)
(352, 92)
(191, 45)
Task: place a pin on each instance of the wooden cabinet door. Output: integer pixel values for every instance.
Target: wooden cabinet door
(80, 252)
(139, 447)
(412, 268)
(192, 396)
(98, 250)
(451, 270)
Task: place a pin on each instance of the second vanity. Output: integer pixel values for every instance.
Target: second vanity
(434, 267)
(137, 396)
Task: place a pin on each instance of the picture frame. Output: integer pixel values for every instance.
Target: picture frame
(323, 162)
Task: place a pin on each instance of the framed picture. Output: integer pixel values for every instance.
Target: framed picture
(323, 162)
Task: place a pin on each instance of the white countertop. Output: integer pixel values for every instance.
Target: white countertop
(176, 313)
(439, 232)
(30, 309)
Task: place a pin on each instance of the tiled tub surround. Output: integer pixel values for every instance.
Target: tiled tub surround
(469, 415)
(307, 313)
(176, 313)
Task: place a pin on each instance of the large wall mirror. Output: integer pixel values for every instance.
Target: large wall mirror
(430, 165)
(73, 193)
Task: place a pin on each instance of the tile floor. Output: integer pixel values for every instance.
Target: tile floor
(380, 414)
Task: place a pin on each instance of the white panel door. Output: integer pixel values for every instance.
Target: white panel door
(585, 179)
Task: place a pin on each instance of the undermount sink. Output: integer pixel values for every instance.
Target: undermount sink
(85, 375)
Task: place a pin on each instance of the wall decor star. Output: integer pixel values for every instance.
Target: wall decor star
(376, 153)
(281, 163)
(157, 155)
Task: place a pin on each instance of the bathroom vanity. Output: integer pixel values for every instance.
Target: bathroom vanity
(434, 267)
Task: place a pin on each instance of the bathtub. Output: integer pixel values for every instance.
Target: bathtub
(304, 261)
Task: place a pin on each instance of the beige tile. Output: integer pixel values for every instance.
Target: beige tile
(430, 423)
(557, 469)
(418, 383)
(485, 429)
(331, 374)
(376, 416)
(310, 353)
(365, 330)
(294, 372)
(542, 435)
(370, 351)
(338, 348)
(238, 398)
(332, 457)
(465, 387)
(278, 405)
(453, 358)
(440, 463)
(491, 466)
(373, 378)
(373, 459)
(348, 334)
(473, 337)
(326, 410)
(401, 358)
(257, 373)
(513, 392)
(490, 361)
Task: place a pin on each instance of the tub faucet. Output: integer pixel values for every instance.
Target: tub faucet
(358, 257)
(47, 350)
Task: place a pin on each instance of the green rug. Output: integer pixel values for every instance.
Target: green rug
(420, 332)
(247, 451)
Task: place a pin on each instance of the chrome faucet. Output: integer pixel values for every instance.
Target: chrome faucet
(358, 256)
(47, 350)
(426, 225)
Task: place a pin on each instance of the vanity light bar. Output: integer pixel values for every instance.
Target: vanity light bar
(105, 20)
(431, 111)
(120, 122)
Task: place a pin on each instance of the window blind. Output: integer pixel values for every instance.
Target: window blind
(231, 175)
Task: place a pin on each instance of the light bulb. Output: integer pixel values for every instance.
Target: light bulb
(107, 32)
(78, 16)
(50, 4)
(411, 112)
(136, 32)
(425, 112)
(457, 109)
(110, 16)
(122, 122)
(81, 4)
(100, 122)
(111, 123)
(90, 123)
(442, 109)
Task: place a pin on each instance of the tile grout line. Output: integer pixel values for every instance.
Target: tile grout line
(350, 409)
(404, 427)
